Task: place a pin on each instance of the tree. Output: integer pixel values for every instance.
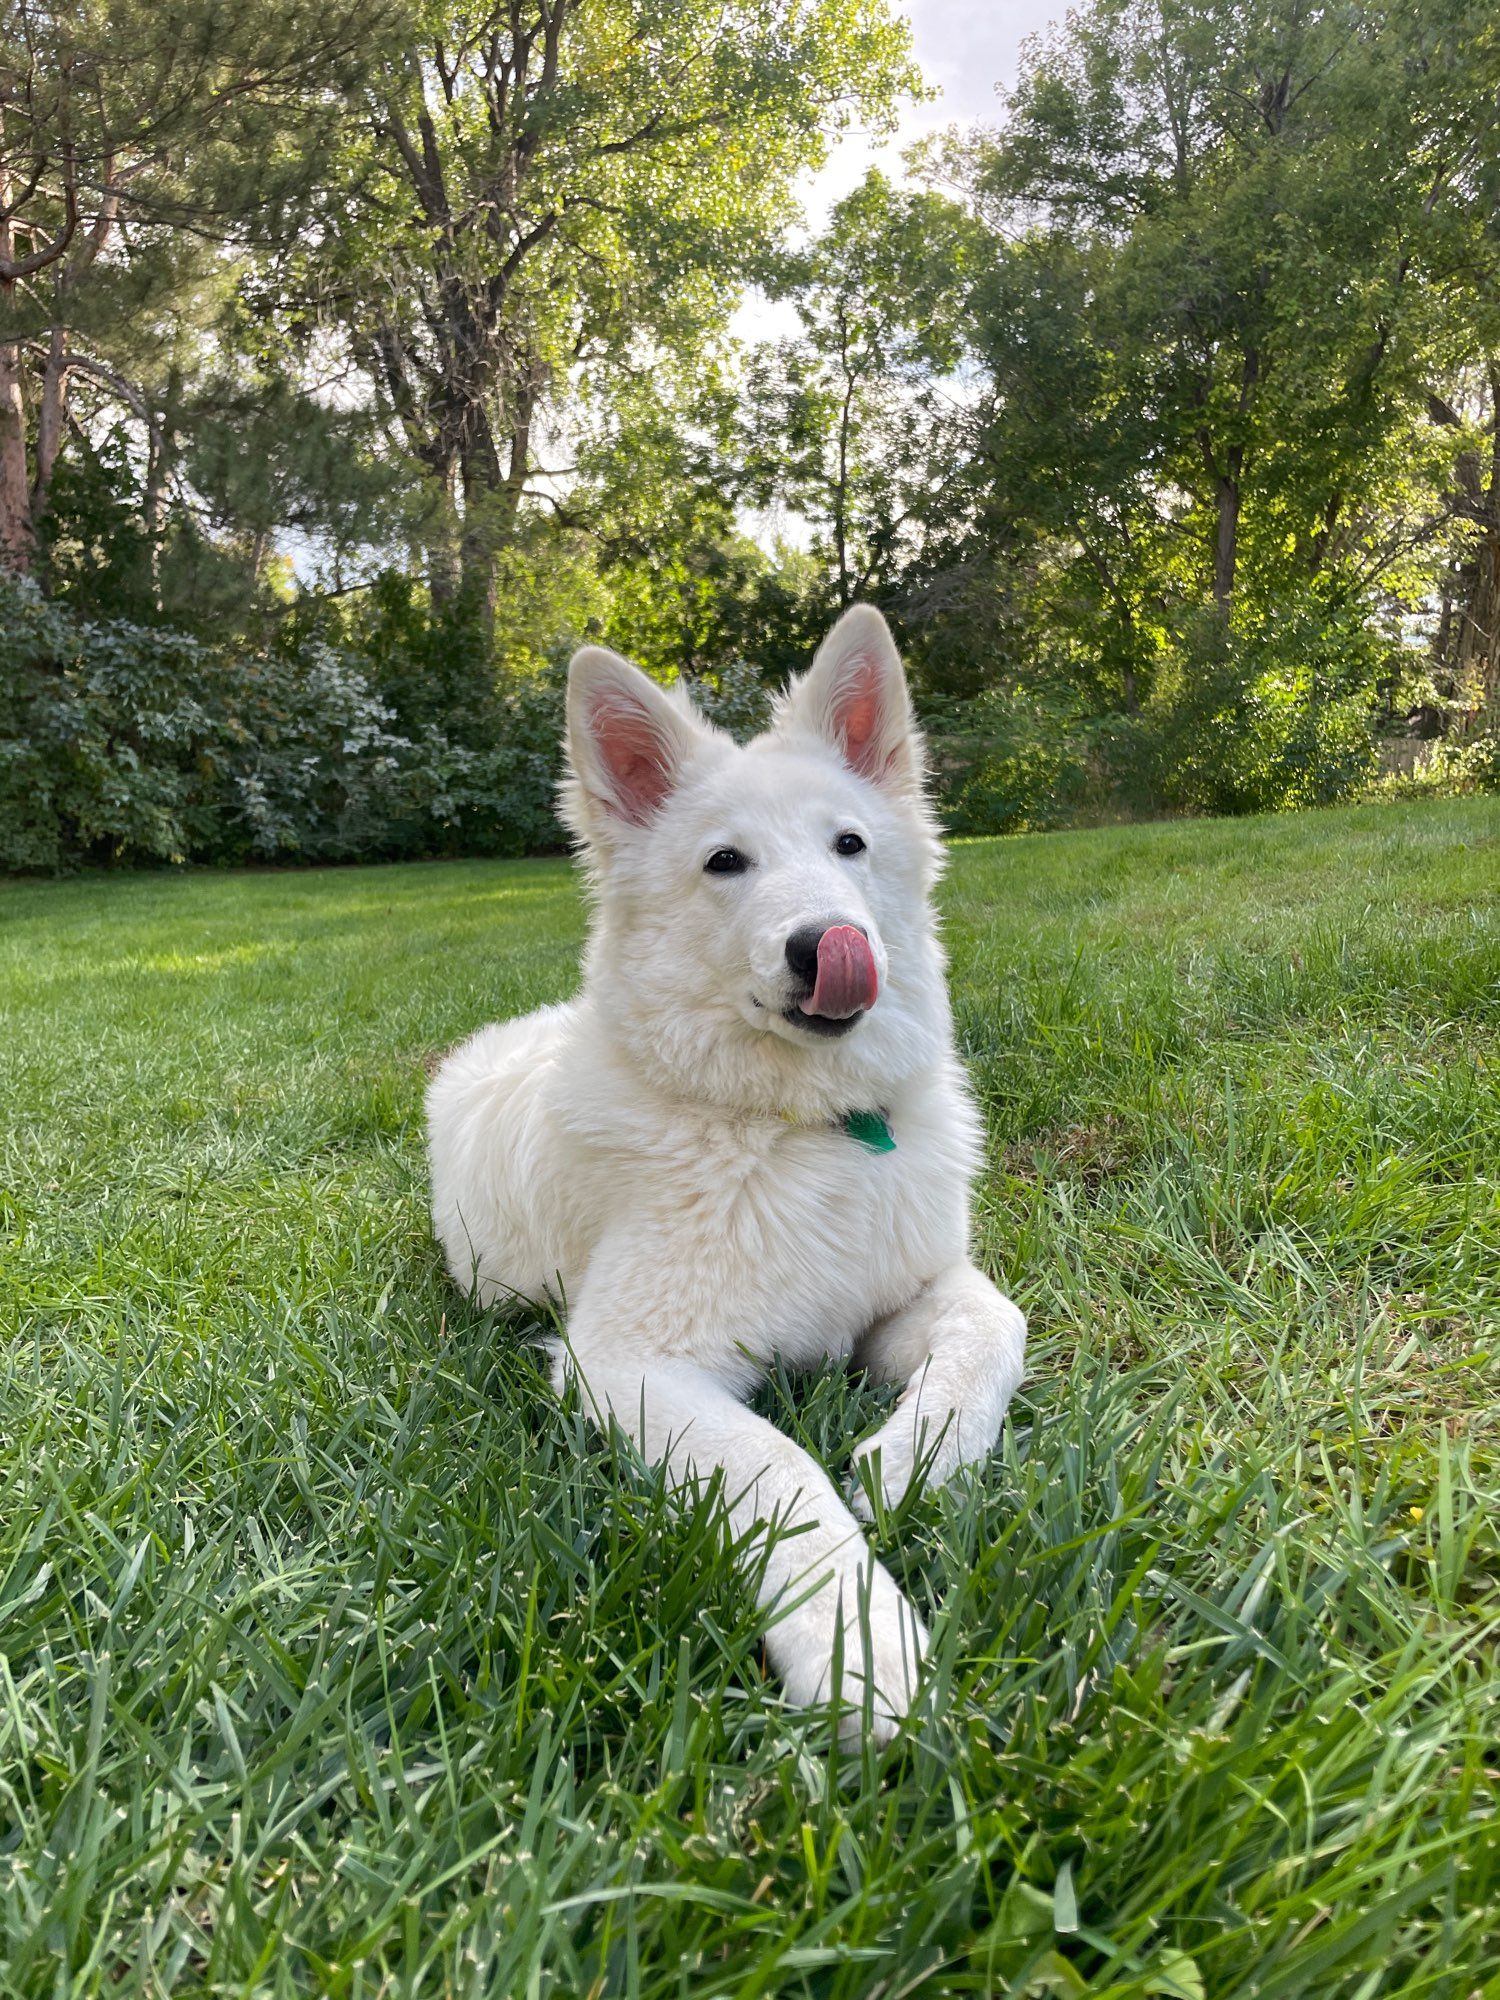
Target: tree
(848, 422)
(1466, 641)
(1228, 245)
(128, 132)
(544, 199)
(1281, 184)
(1060, 483)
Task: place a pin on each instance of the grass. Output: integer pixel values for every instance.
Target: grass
(336, 1657)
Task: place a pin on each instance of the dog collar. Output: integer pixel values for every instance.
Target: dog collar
(872, 1129)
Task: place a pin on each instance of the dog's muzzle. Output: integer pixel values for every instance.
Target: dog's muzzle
(836, 966)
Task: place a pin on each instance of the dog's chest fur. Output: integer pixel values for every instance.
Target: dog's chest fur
(785, 1239)
(802, 1235)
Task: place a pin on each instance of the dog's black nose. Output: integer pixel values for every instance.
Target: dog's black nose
(802, 950)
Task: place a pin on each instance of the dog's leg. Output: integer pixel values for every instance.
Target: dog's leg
(819, 1580)
(960, 1349)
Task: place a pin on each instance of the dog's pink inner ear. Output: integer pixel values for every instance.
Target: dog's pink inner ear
(634, 756)
(858, 718)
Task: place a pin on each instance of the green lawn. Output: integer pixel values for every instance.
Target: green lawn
(338, 1657)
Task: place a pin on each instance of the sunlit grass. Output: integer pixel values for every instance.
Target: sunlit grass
(335, 1656)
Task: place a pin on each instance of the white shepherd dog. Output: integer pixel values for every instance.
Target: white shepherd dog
(749, 1135)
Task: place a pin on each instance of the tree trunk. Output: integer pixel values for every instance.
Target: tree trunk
(17, 535)
(1473, 632)
(161, 441)
(1226, 539)
(479, 559)
(17, 539)
(1130, 693)
(439, 533)
(52, 419)
(492, 497)
(841, 479)
(1479, 633)
(1229, 487)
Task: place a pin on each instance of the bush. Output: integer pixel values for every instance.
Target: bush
(1278, 716)
(101, 739)
(375, 739)
(1262, 720)
(1021, 761)
(120, 742)
(735, 699)
(1446, 768)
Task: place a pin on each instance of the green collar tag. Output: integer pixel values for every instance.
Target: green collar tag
(871, 1129)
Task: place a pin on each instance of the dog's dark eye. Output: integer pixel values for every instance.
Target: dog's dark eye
(725, 861)
(848, 843)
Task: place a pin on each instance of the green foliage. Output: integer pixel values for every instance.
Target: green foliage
(1016, 761)
(97, 556)
(1232, 254)
(845, 423)
(126, 743)
(735, 699)
(1445, 770)
(1273, 718)
(100, 737)
(1162, 419)
(1277, 717)
(536, 204)
(148, 158)
(339, 1658)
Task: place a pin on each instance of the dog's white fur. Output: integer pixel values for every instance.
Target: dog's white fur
(666, 1153)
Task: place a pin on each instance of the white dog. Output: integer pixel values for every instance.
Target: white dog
(749, 1135)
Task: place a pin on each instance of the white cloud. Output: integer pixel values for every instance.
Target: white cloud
(968, 51)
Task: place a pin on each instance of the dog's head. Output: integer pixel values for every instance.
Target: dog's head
(764, 928)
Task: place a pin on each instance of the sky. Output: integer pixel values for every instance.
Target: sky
(965, 48)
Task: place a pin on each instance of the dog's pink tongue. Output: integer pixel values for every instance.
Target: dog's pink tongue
(847, 981)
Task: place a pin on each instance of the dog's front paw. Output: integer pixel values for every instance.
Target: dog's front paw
(910, 1447)
(898, 1646)
(883, 1644)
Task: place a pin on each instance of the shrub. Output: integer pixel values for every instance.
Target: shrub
(1446, 768)
(1022, 761)
(1256, 720)
(102, 737)
(735, 699)
(120, 742)
(1278, 716)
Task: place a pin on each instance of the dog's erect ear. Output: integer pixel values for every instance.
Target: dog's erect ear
(854, 697)
(627, 738)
